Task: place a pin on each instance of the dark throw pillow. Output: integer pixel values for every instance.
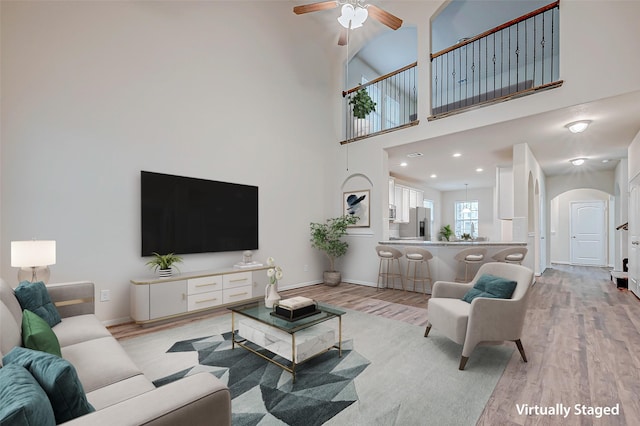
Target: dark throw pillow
(24, 403)
(491, 286)
(35, 297)
(57, 377)
(36, 334)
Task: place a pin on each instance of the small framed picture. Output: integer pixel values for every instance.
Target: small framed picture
(356, 203)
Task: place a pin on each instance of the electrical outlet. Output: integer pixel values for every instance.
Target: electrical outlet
(105, 295)
(306, 268)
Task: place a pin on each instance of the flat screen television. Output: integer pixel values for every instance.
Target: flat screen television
(188, 215)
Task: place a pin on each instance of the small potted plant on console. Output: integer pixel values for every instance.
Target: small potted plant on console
(163, 263)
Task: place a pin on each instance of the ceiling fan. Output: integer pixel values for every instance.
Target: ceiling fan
(354, 13)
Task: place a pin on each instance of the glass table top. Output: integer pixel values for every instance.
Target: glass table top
(259, 312)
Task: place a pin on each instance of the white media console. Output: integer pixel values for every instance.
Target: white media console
(156, 299)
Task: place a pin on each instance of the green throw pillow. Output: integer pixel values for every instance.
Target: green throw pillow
(491, 286)
(24, 403)
(57, 377)
(35, 297)
(36, 334)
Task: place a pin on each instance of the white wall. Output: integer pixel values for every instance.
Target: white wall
(94, 92)
(561, 220)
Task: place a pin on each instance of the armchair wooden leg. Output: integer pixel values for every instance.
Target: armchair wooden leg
(463, 362)
(521, 349)
(426, 332)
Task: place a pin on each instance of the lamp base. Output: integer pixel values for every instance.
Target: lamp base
(34, 274)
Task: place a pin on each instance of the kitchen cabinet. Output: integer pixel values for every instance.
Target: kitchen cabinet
(406, 198)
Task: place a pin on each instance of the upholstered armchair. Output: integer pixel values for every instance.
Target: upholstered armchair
(484, 319)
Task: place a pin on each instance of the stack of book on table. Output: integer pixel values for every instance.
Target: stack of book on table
(295, 308)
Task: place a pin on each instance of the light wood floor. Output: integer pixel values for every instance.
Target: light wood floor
(582, 339)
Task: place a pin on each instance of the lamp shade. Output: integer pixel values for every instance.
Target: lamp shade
(26, 254)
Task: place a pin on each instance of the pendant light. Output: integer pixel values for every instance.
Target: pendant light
(466, 208)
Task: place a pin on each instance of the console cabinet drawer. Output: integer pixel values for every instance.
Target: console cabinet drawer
(236, 294)
(204, 300)
(204, 284)
(240, 279)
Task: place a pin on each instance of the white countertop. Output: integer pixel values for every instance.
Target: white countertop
(418, 242)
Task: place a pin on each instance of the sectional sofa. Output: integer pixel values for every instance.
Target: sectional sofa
(114, 386)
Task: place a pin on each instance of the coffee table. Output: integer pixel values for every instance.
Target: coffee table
(295, 341)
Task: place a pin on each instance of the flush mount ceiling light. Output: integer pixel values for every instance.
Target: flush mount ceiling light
(403, 164)
(479, 169)
(415, 154)
(578, 126)
(433, 176)
(457, 154)
(578, 161)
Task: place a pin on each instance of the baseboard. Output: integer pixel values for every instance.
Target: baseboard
(118, 321)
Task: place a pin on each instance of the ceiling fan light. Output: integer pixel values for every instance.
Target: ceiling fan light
(351, 17)
(348, 13)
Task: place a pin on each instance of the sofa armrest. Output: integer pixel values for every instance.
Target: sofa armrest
(196, 400)
(450, 290)
(73, 298)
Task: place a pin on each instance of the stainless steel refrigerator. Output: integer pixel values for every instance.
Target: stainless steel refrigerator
(419, 225)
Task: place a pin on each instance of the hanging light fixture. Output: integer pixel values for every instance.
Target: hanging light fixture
(466, 208)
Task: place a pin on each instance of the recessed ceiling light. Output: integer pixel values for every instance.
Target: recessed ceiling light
(578, 126)
(457, 154)
(479, 169)
(403, 164)
(433, 176)
(415, 154)
(605, 160)
(578, 161)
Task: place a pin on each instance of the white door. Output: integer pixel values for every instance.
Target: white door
(634, 236)
(587, 231)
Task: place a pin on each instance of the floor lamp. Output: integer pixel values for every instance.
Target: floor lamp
(33, 258)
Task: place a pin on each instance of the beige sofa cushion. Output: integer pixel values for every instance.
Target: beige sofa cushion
(120, 391)
(11, 333)
(9, 299)
(456, 313)
(100, 362)
(78, 329)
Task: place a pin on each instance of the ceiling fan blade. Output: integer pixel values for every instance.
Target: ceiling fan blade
(384, 17)
(314, 7)
(343, 39)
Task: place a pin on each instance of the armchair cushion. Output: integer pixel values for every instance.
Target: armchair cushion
(491, 286)
(36, 334)
(35, 297)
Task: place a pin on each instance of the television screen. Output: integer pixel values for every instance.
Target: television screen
(188, 215)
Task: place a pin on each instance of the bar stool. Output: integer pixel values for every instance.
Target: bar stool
(418, 257)
(511, 255)
(470, 256)
(388, 257)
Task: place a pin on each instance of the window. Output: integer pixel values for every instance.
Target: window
(466, 218)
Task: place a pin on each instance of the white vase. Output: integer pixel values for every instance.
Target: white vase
(271, 295)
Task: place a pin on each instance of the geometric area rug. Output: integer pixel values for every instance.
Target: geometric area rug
(323, 387)
(389, 374)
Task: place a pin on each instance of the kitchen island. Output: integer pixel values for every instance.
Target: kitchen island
(443, 265)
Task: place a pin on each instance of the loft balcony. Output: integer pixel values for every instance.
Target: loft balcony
(517, 58)
(514, 59)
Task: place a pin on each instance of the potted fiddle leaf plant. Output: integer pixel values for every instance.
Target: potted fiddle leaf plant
(362, 103)
(163, 263)
(327, 237)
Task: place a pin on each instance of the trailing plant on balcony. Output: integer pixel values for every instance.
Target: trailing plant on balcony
(362, 103)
